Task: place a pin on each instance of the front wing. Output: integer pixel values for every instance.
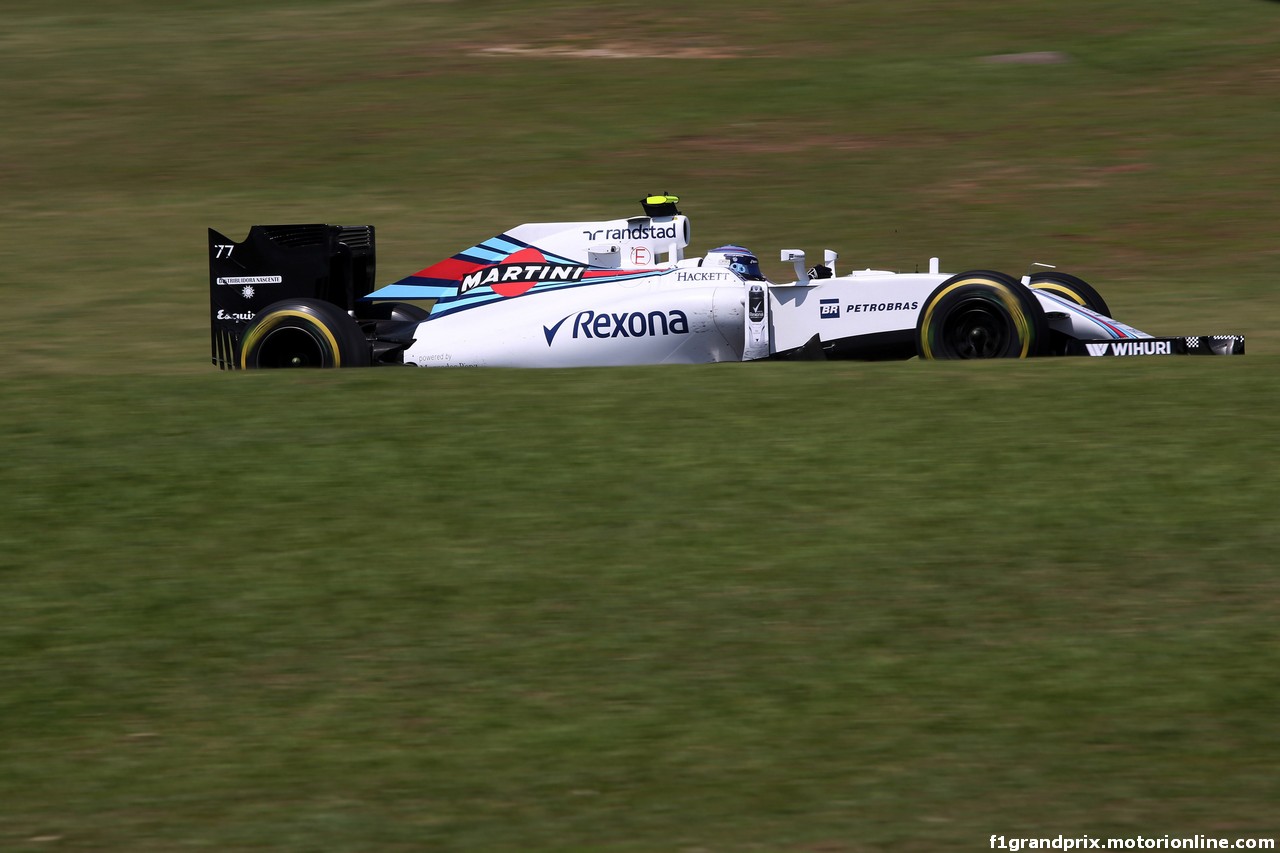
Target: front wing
(1187, 345)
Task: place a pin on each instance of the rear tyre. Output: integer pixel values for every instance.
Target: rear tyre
(1074, 289)
(303, 333)
(981, 314)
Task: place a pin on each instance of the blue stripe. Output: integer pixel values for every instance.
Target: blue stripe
(482, 255)
(413, 291)
(1076, 308)
(476, 299)
(496, 249)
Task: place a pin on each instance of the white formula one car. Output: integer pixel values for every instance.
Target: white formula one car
(621, 292)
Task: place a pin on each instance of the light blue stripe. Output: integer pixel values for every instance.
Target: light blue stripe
(483, 296)
(486, 253)
(412, 291)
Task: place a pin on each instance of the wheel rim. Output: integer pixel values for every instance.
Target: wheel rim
(290, 347)
(976, 329)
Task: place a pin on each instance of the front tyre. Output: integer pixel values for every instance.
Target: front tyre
(1073, 289)
(303, 333)
(981, 314)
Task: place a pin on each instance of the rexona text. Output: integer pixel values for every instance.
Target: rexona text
(634, 324)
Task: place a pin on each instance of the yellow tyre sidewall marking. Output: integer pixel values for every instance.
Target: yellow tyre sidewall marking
(1006, 297)
(273, 320)
(1061, 290)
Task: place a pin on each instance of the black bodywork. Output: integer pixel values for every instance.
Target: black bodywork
(333, 263)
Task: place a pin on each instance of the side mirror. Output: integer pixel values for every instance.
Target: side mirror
(796, 258)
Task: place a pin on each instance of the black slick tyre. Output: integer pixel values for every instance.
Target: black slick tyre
(1072, 289)
(981, 314)
(303, 333)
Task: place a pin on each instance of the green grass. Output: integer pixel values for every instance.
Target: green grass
(430, 610)
(740, 607)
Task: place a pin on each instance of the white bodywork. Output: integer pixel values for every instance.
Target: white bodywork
(620, 292)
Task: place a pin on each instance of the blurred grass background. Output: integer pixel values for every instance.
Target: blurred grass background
(757, 607)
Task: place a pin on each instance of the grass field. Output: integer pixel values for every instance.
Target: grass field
(809, 607)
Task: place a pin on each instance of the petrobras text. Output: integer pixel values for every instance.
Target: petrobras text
(865, 307)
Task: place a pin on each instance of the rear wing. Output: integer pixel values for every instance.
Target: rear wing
(330, 262)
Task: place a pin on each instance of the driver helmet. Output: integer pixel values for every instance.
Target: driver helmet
(737, 259)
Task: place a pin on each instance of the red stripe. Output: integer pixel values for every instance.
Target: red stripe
(451, 268)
